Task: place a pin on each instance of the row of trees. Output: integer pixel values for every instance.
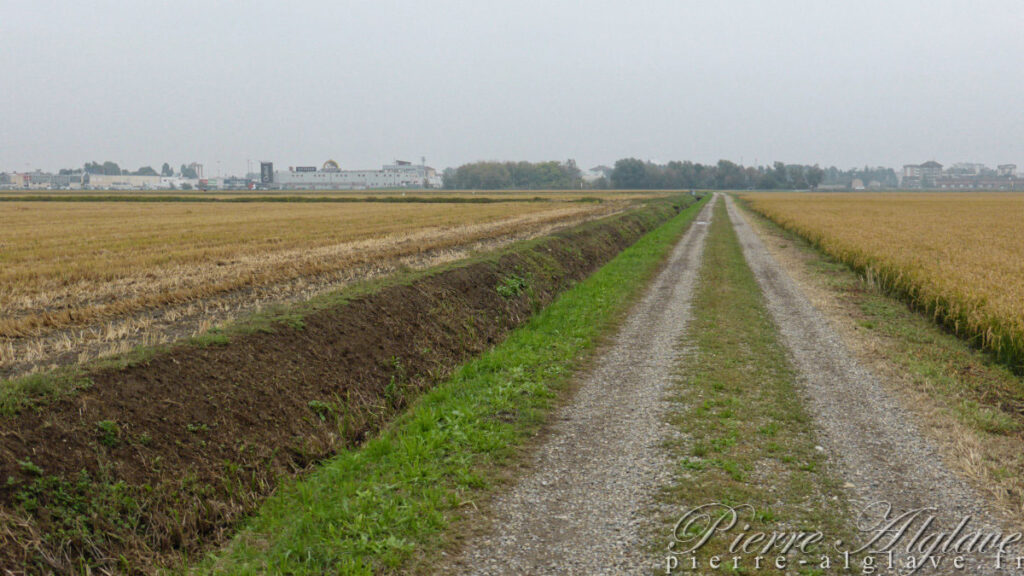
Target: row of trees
(112, 169)
(513, 175)
(632, 173)
(886, 177)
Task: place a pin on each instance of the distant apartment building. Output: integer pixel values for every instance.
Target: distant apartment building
(331, 177)
(921, 175)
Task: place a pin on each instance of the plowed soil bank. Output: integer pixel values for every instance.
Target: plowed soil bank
(157, 462)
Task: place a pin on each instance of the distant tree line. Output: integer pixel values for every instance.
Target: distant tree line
(513, 175)
(631, 173)
(109, 168)
(886, 177)
(635, 174)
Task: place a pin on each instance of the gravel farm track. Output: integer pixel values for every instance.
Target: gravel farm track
(578, 506)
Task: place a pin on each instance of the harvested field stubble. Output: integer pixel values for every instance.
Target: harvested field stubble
(957, 256)
(64, 262)
(78, 279)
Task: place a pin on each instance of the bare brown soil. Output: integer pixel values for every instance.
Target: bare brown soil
(160, 460)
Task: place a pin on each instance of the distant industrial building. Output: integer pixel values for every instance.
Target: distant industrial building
(123, 182)
(40, 180)
(330, 176)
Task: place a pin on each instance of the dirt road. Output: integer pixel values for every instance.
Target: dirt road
(578, 508)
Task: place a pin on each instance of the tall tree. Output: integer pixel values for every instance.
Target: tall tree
(630, 173)
(814, 176)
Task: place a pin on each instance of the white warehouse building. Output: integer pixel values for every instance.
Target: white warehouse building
(331, 177)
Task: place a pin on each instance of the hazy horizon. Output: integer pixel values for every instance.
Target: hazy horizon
(364, 83)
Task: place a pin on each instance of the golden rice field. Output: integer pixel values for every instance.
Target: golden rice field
(74, 265)
(958, 256)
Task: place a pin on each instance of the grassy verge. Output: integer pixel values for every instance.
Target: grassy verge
(972, 401)
(375, 508)
(745, 437)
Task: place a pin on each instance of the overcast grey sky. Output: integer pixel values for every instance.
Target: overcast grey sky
(365, 82)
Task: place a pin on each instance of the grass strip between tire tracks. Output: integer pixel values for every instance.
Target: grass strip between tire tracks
(377, 508)
(745, 436)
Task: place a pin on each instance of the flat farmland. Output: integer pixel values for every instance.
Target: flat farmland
(958, 256)
(338, 195)
(80, 276)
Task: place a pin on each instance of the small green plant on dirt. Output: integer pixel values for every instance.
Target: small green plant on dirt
(196, 427)
(37, 389)
(395, 389)
(30, 467)
(80, 510)
(212, 337)
(322, 409)
(109, 431)
(511, 286)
